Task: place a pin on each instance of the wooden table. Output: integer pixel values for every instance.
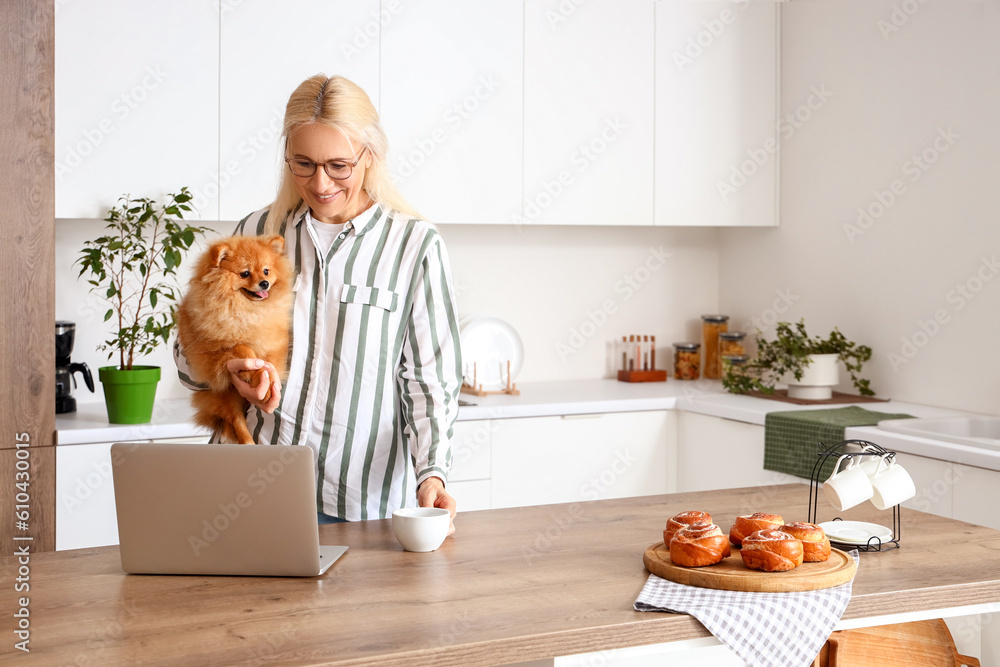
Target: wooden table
(513, 585)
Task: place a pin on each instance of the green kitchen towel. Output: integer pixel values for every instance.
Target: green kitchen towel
(793, 439)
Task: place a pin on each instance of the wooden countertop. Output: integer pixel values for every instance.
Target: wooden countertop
(512, 585)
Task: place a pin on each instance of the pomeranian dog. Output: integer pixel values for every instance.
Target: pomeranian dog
(238, 306)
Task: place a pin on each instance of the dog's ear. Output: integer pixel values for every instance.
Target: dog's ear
(276, 242)
(219, 252)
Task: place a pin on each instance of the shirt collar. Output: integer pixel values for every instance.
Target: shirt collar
(364, 222)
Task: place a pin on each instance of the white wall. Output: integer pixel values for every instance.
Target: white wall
(569, 291)
(918, 279)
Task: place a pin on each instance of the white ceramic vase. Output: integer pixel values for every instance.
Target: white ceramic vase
(818, 378)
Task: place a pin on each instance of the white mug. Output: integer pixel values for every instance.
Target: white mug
(848, 487)
(891, 484)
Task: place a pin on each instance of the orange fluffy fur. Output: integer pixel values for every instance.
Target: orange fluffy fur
(238, 306)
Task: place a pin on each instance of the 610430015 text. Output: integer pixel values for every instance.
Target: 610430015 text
(22, 547)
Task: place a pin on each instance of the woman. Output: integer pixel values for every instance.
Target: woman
(375, 369)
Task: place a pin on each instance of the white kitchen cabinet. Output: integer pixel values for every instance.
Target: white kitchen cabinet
(976, 495)
(716, 112)
(588, 112)
(266, 51)
(136, 103)
(717, 453)
(542, 460)
(85, 497)
(470, 479)
(471, 495)
(933, 480)
(451, 82)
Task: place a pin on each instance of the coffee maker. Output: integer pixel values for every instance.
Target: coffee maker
(65, 369)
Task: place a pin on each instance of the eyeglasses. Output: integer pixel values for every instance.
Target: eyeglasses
(335, 169)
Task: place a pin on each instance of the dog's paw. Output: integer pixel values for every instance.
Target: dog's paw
(258, 377)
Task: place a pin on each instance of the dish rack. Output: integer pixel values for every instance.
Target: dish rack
(836, 450)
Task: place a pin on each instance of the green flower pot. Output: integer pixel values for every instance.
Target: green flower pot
(129, 395)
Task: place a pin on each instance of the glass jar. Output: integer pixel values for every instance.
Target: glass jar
(711, 327)
(731, 344)
(687, 361)
(736, 361)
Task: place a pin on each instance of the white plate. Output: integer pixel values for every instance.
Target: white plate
(855, 533)
(490, 343)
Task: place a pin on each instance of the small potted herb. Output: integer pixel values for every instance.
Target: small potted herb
(134, 267)
(807, 364)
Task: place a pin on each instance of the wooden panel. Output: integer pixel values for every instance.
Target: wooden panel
(27, 242)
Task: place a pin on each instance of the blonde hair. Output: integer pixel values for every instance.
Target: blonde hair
(342, 104)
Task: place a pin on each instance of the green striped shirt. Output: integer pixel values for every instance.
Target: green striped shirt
(375, 367)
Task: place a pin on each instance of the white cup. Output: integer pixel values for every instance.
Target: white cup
(849, 486)
(421, 528)
(891, 484)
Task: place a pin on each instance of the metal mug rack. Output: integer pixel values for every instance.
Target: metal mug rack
(867, 449)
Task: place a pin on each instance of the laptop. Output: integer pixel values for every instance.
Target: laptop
(218, 509)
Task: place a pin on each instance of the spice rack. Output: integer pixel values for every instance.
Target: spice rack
(638, 360)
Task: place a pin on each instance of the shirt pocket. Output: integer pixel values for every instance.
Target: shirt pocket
(370, 296)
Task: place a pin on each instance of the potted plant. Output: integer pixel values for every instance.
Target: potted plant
(134, 267)
(807, 364)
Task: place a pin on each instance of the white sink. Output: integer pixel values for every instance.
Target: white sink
(972, 431)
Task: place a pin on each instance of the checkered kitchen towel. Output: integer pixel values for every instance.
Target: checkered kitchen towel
(792, 439)
(763, 629)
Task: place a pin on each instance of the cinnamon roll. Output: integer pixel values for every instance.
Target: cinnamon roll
(815, 543)
(698, 545)
(771, 551)
(751, 523)
(678, 521)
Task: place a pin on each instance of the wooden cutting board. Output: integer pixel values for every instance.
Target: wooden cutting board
(732, 575)
(917, 644)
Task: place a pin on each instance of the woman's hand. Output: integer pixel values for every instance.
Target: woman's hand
(431, 493)
(267, 394)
